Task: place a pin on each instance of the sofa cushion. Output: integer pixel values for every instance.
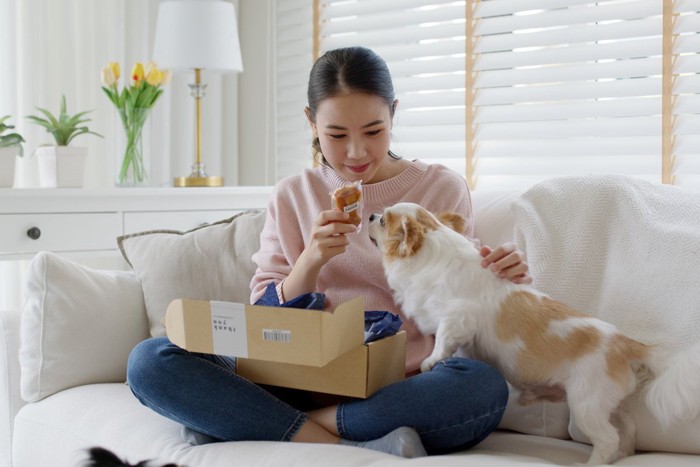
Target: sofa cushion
(58, 430)
(78, 325)
(211, 262)
(493, 220)
(626, 251)
(494, 225)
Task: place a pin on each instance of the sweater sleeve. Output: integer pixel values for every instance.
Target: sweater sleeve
(270, 258)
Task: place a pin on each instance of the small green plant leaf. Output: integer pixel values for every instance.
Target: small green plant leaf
(65, 128)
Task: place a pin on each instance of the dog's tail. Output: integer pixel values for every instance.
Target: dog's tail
(674, 393)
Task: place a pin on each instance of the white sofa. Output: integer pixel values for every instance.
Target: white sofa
(79, 324)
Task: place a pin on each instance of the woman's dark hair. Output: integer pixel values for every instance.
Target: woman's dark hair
(351, 69)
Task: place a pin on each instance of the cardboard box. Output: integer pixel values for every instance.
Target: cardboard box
(358, 373)
(286, 335)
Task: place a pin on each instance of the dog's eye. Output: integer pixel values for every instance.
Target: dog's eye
(381, 221)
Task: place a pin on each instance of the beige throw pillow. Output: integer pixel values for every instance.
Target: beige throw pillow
(211, 262)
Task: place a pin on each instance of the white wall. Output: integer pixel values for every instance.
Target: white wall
(255, 103)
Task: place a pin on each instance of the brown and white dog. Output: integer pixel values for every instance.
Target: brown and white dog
(541, 346)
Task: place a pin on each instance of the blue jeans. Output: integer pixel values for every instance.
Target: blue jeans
(453, 407)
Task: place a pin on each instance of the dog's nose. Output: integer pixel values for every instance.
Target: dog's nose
(372, 217)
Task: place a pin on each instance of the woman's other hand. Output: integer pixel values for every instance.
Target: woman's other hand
(507, 262)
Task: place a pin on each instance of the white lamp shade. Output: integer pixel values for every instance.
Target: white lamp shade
(197, 34)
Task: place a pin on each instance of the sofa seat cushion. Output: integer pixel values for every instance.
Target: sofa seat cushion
(57, 431)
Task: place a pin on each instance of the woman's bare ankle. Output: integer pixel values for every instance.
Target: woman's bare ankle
(326, 417)
(312, 432)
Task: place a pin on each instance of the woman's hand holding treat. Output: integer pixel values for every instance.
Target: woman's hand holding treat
(326, 240)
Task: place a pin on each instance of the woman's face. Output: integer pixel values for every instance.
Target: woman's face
(354, 131)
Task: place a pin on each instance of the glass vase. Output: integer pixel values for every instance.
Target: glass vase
(133, 171)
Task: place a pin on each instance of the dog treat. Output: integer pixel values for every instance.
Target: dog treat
(349, 199)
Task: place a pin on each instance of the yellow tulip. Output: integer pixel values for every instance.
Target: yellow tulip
(167, 76)
(114, 66)
(150, 66)
(107, 76)
(137, 74)
(154, 77)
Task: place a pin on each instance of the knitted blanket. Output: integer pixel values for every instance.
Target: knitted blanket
(621, 249)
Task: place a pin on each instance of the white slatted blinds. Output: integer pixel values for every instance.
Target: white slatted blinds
(686, 94)
(510, 92)
(572, 87)
(423, 45)
(293, 57)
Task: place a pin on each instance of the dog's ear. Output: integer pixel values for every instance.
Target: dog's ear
(413, 235)
(404, 235)
(453, 221)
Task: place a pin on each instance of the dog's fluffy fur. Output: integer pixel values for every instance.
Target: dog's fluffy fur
(101, 457)
(542, 347)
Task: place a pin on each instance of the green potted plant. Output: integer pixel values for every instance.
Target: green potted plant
(10, 148)
(61, 165)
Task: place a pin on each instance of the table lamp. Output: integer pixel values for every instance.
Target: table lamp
(197, 35)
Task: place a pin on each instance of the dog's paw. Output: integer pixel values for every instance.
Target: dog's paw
(427, 364)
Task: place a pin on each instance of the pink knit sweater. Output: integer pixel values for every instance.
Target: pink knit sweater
(295, 204)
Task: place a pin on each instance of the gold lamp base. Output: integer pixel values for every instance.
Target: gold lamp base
(198, 177)
(198, 181)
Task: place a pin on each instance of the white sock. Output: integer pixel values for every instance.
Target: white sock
(403, 441)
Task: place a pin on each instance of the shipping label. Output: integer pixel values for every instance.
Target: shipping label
(229, 329)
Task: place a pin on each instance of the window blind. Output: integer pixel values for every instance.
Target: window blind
(293, 57)
(423, 45)
(511, 92)
(574, 87)
(685, 88)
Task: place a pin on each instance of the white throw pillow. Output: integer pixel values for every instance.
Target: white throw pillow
(78, 326)
(494, 225)
(211, 262)
(626, 251)
(493, 218)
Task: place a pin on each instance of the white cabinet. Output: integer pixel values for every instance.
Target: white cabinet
(29, 233)
(83, 224)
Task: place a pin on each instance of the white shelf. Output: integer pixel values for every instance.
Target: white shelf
(55, 200)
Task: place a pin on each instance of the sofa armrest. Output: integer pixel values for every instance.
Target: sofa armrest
(10, 400)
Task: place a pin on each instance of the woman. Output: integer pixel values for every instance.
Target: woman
(308, 247)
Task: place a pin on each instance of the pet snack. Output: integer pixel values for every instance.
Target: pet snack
(349, 199)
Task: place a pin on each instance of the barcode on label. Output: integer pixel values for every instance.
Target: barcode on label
(277, 335)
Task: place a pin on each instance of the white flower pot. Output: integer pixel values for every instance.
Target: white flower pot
(8, 156)
(61, 166)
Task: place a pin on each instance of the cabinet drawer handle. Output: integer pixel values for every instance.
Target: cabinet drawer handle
(34, 233)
